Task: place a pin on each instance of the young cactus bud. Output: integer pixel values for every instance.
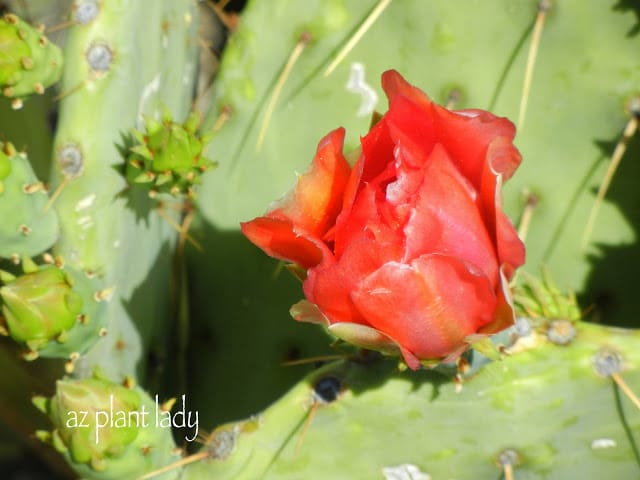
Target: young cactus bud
(52, 311)
(106, 430)
(167, 157)
(40, 306)
(28, 61)
(99, 439)
(542, 299)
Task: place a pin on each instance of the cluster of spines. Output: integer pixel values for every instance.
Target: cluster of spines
(168, 156)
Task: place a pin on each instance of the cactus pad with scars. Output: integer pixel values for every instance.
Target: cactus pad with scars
(29, 63)
(55, 312)
(25, 229)
(103, 430)
(116, 73)
(168, 157)
(582, 426)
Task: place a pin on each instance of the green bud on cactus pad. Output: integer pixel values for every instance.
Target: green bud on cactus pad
(26, 228)
(542, 299)
(106, 430)
(54, 312)
(28, 61)
(40, 306)
(167, 157)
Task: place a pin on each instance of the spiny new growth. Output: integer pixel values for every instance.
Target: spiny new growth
(542, 299)
(544, 312)
(25, 228)
(106, 430)
(168, 156)
(55, 312)
(29, 63)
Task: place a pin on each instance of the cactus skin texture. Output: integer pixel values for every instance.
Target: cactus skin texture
(29, 63)
(101, 428)
(561, 417)
(121, 239)
(26, 229)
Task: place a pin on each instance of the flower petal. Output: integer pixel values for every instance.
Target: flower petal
(330, 284)
(446, 219)
(365, 337)
(373, 165)
(394, 85)
(510, 249)
(465, 134)
(294, 227)
(314, 203)
(277, 238)
(305, 311)
(511, 252)
(504, 315)
(370, 216)
(428, 307)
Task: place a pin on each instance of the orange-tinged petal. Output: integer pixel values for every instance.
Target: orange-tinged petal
(278, 239)
(316, 200)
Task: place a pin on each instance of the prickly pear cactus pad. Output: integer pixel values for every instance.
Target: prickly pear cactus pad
(29, 63)
(442, 351)
(357, 419)
(27, 228)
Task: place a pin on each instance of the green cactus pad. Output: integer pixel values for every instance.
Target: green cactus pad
(29, 63)
(549, 404)
(578, 106)
(55, 312)
(167, 157)
(106, 430)
(5, 168)
(116, 73)
(25, 229)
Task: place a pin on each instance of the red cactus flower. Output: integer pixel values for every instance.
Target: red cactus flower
(408, 250)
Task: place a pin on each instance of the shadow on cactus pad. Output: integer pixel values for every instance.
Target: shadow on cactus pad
(610, 288)
(241, 331)
(623, 6)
